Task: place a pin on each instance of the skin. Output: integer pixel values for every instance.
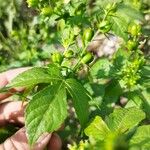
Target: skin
(13, 112)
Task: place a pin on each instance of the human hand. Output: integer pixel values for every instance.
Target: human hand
(13, 112)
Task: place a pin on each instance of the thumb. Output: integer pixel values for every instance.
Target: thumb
(19, 142)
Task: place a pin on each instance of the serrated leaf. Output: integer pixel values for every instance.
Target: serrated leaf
(46, 111)
(122, 119)
(97, 129)
(141, 139)
(80, 99)
(32, 77)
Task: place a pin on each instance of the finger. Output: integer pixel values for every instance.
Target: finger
(19, 142)
(6, 78)
(55, 143)
(3, 82)
(11, 74)
(12, 112)
(42, 141)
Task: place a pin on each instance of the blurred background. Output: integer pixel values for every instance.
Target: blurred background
(25, 39)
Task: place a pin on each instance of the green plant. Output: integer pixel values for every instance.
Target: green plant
(103, 81)
(118, 132)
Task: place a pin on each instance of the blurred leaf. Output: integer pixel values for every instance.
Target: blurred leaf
(95, 89)
(119, 27)
(134, 100)
(145, 71)
(97, 129)
(123, 120)
(124, 15)
(146, 83)
(140, 99)
(106, 2)
(141, 138)
(101, 69)
(129, 13)
(112, 92)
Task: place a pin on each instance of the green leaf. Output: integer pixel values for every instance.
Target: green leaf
(53, 69)
(80, 99)
(106, 2)
(141, 139)
(97, 129)
(140, 99)
(134, 100)
(145, 83)
(129, 13)
(46, 111)
(112, 92)
(101, 69)
(97, 91)
(124, 15)
(32, 77)
(145, 96)
(134, 4)
(120, 57)
(119, 26)
(125, 119)
(145, 72)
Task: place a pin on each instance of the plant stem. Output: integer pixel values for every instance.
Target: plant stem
(85, 48)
